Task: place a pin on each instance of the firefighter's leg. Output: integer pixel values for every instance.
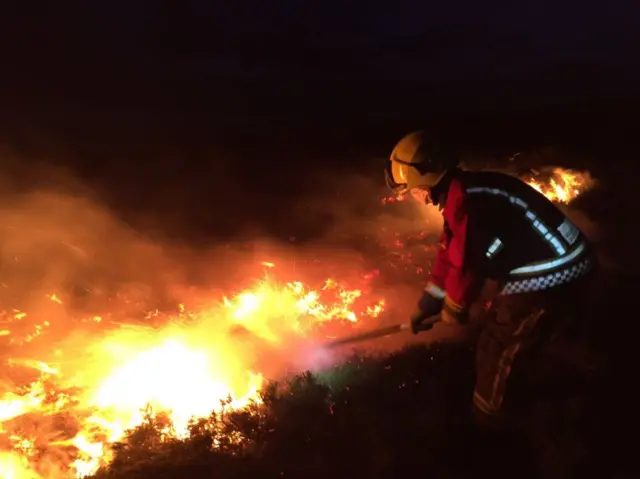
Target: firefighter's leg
(503, 338)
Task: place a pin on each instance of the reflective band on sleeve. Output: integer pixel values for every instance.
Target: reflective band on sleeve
(546, 234)
(495, 191)
(547, 281)
(536, 222)
(435, 290)
(551, 264)
(494, 247)
(569, 231)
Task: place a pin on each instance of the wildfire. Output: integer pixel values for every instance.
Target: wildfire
(560, 186)
(393, 199)
(86, 398)
(64, 403)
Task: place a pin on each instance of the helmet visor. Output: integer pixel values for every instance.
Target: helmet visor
(400, 172)
(396, 176)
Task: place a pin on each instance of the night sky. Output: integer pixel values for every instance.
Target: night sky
(159, 100)
(324, 49)
(225, 70)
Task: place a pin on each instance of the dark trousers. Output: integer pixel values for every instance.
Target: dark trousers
(515, 330)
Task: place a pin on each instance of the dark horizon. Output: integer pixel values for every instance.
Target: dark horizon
(290, 64)
(144, 100)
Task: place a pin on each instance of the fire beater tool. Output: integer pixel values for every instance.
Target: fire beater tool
(426, 325)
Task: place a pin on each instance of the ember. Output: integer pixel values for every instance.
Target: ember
(187, 367)
(62, 408)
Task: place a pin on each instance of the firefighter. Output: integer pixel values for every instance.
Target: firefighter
(497, 231)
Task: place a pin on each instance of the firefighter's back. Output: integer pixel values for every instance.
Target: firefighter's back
(531, 241)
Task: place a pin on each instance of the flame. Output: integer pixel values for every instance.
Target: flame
(562, 186)
(13, 466)
(188, 368)
(394, 198)
(63, 405)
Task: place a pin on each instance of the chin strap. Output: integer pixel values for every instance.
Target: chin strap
(439, 191)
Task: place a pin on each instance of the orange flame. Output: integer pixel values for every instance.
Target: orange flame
(188, 367)
(77, 398)
(561, 186)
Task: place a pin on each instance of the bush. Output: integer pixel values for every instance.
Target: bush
(385, 416)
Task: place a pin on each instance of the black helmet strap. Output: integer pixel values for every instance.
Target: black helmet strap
(440, 190)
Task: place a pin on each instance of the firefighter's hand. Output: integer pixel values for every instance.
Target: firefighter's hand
(447, 317)
(427, 306)
(451, 314)
(416, 322)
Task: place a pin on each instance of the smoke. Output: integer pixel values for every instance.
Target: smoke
(57, 243)
(104, 292)
(59, 239)
(356, 210)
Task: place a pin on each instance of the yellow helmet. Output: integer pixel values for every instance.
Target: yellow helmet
(417, 161)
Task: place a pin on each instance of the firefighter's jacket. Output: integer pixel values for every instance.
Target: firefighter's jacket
(498, 227)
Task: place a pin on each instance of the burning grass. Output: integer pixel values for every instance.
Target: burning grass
(102, 385)
(128, 395)
(371, 417)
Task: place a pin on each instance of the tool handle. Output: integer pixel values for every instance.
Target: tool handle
(425, 325)
(379, 333)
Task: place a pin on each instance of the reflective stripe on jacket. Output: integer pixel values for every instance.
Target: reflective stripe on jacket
(498, 227)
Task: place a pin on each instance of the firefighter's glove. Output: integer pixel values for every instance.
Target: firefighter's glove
(453, 313)
(427, 306)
